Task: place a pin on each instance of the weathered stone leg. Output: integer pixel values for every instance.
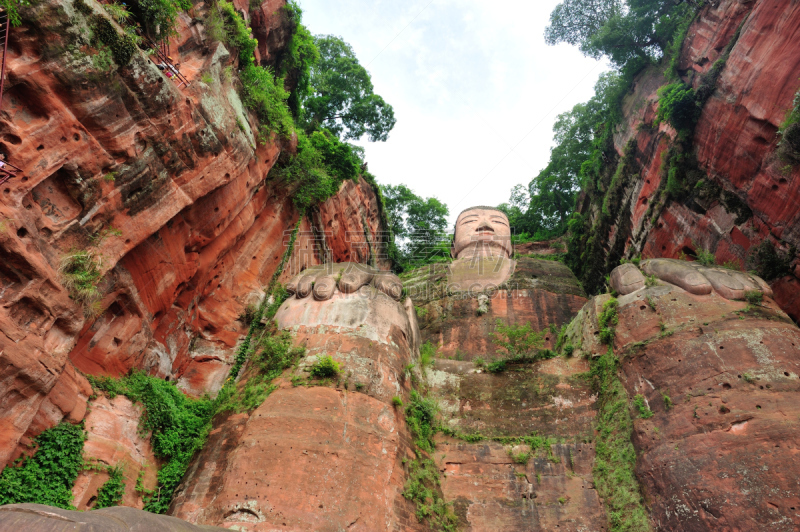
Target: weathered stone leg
(722, 378)
(326, 456)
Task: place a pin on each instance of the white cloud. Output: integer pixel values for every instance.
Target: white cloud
(469, 80)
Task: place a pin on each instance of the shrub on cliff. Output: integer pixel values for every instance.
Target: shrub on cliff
(112, 491)
(325, 367)
(226, 25)
(295, 63)
(421, 417)
(80, 274)
(265, 95)
(677, 105)
(46, 477)
(158, 17)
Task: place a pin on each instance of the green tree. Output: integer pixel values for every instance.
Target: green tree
(296, 62)
(628, 32)
(578, 135)
(395, 201)
(341, 96)
(419, 222)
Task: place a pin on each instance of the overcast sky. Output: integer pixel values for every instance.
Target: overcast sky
(474, 87)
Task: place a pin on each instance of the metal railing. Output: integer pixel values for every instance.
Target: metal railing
(162, 52)
(7, 170)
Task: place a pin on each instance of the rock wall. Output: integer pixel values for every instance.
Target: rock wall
(749, 193)
(167, 187)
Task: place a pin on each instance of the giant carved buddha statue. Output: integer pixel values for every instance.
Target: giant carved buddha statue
(481, 250)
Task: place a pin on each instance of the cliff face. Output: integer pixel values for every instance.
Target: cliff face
(167, 188)
(747, 193)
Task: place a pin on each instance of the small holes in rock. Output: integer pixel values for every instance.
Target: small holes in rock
(76, 137)
(724, 409)
(758, 407)
(128, 241)
(642, 307)
(216, 209)
(7, 191)
(786, 373)
(774, 187)
(63, 139)
(22, 232)
(722, 347)
(40, 147)
(783, 181)
(726, 386)
(227, 176)
(24, 179)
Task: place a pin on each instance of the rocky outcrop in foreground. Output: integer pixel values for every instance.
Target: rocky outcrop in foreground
(118, 519)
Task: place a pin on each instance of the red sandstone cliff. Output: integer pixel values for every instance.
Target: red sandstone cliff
(752, 193)
(168, 191)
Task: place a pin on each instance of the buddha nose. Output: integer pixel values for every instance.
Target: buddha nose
(484, 224)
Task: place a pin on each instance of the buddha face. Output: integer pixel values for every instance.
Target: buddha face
(482, 233)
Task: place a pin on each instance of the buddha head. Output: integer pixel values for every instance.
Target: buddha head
(482, 232)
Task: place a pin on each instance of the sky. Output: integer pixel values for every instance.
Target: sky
(474, 87)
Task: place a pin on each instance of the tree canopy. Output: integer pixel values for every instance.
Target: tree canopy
(418, 224)
(341, 96)
(543, 210)
(626, 31)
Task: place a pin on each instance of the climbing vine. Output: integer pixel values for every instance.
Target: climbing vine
(112, 491)
(46, 477)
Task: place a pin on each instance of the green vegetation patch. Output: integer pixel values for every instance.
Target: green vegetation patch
(615, 460)
(608, 321)
(122, 46)
(421, 418)
(423, 489)
(46, 477)
(179, 426)
(112, 491)
(273, 356)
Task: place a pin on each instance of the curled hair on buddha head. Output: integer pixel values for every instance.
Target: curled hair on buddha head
(482, 207)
